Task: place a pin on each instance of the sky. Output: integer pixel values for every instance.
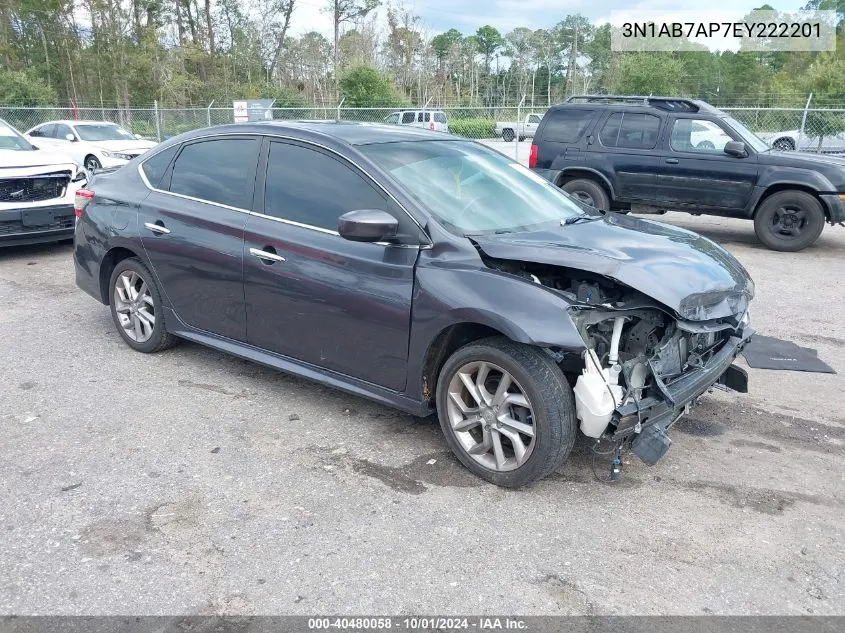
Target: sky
(468, 15)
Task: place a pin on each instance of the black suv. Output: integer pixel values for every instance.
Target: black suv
(653, 154)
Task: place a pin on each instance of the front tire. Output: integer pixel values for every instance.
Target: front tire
(789, 221)
(589, 192)
(136, 307)
(507, 135)
(92, 164)
(784, 144)
(506, 410)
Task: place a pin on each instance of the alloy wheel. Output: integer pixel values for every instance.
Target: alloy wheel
(133, 303)
(789, 222)
(490, 416)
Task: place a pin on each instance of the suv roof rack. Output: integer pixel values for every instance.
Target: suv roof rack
(673, 104)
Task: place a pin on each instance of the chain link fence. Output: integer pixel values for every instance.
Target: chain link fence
(812, 129)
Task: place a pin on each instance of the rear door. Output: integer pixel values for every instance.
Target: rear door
(562, 140)
(625, 151)
(312, 295)
(192, 228)
(694, 170)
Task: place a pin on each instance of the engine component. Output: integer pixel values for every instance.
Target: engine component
(597, 394)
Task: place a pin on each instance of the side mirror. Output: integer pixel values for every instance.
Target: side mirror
(139, 137)
(367, 225)
(70, 137)
(736, 148)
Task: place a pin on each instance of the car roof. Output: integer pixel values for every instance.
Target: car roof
(347, 132)
(77, 122)
(678, 105)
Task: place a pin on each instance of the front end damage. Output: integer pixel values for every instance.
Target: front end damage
(644, 365)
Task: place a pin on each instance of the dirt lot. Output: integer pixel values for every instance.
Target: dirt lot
(192, 482)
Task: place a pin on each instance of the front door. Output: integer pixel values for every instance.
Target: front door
(695, 171)
(192, 228)
(312, 295)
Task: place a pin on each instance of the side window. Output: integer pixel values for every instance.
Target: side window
(218, 171)
(610, 130)
(567, 125)
(407, 117)
(638, 131)
(49, 130)
(62, 131)
(533, 118)
(392, 119)
(440, 117)
(698, 135)
(155, 167)
(37, 132)
(428, 117)
(307, 186)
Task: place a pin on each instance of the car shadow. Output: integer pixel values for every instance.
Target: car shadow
(25, 250)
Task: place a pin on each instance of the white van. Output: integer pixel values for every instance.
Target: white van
(429, 119)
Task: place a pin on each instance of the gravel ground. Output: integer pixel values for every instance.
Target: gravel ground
(193, 482)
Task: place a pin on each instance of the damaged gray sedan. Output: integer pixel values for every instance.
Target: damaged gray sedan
(424, 272)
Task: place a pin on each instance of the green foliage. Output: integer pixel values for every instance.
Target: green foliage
(25, 89)
(365, 87)
(473, 127)
(647, 74)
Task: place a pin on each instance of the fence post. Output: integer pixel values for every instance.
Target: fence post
(338, 108)
(518, 123)
(208, 113)
(158, 124)
(804, 121)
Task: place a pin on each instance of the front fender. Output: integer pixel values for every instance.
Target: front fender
(521, 310)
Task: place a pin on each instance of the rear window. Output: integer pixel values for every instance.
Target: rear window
(155, 167)
(632, 130)
(439, 117)
(567, 124)
(407, 117)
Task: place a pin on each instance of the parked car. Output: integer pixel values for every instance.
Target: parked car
(509, 130)
(655, 154)
(397, 264)
(37, 190)
(430, 119)
(793, 139)
(94, 144)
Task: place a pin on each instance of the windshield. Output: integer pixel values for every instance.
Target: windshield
(11, 139)
(471, 188)
(104, 132)
(747, 135)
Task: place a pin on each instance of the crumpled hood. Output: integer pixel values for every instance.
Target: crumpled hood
(37, 158)
(129, 146)
(684, 271)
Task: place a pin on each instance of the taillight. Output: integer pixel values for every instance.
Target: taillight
(532, 157)
(83, 197)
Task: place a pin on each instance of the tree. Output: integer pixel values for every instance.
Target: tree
(488, 40)
(365, 87)
(647, 74)
(25, 89)
(573, 33)
(286, 8)
(824, 78)
(346, 11)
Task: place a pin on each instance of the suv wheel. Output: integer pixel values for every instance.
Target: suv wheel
(783, 144)
(507, 135)
(589, 192)
(136, 307)
(789, 221)
(507, 411)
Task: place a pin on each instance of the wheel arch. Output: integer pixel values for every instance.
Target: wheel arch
(110, 260)
(786, 186)
(570, 174)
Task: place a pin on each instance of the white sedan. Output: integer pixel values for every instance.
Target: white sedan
(94, 144)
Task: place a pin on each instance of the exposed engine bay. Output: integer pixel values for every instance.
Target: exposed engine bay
(637, 349)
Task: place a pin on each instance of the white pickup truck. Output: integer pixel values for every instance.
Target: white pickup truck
(509, 130)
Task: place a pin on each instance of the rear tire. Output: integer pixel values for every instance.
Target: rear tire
(784, 144)
(537, 401)
(589, 192)
(137, 309)
(789, 221)
(507, 135)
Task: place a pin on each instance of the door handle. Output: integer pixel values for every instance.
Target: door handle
(157, 228)
(268, 256)
(672, 161)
